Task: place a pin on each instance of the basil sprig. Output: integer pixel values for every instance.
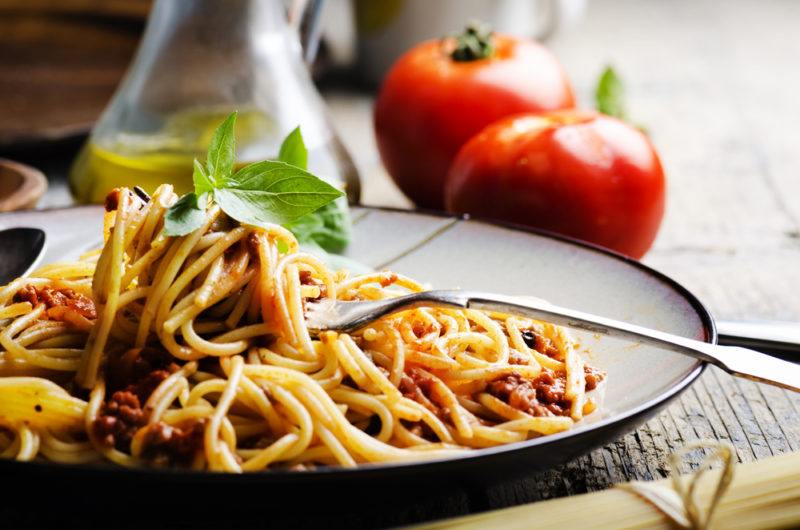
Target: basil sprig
(259, 194)
(329, 227)
(293, 150)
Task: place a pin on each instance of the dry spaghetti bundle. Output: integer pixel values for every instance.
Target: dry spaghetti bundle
(194, 351)
(760, 495)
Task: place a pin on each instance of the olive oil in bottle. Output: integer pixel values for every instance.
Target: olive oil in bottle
(151, 158)
(97, 171)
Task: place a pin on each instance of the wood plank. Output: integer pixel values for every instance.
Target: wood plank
(768, 424)
(743, 413)
(718, 407)
(778, 401)
(658, 449)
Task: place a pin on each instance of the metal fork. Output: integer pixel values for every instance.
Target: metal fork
(351, 316)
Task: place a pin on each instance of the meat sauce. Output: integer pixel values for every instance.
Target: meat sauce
(416, 385)
(57, 298)
(307, 279)
(111, 202)
(540, 343)
(119, 419)
(168, 445)
(131, 377)
(542, 395)
(593, 377)
(139, 370)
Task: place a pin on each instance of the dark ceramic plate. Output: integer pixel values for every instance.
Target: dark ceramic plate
(448, 253)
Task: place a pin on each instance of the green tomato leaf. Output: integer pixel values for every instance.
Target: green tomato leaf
(329, 227)
(202, 184)
(222, 152)
(273, 192)
(186, 215)
(610, 94)
(293, 150)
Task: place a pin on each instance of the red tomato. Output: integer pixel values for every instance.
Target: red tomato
(430, 104)
(578, 173)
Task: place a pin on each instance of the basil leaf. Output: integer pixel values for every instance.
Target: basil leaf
(329, 227)
(307, 225)
(202, 184)
(610, 94)
(222, 152)
(186, 215)
(293, 150)
(273, 192)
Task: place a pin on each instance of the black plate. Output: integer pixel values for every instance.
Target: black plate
(447, 252)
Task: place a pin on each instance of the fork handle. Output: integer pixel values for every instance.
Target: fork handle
(738, 361)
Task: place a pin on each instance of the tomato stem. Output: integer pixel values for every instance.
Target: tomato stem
(474, 43)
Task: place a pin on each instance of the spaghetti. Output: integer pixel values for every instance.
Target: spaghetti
(193, 352)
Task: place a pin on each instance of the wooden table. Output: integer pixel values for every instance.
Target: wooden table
(716, 84)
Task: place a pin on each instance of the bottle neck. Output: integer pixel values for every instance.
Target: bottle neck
(212, 27)
(207, 53)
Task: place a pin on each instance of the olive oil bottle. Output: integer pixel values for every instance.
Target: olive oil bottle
(197, 62)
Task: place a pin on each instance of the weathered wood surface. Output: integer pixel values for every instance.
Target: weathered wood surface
(716, 84)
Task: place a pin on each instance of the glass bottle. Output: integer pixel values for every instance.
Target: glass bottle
(198, 61)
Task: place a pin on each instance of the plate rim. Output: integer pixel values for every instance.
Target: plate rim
(366, 470)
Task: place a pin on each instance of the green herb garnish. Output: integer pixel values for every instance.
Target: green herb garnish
(185, 216)
(273, 192)
(610, 94)
(259, 194)
(329, 227)
(293, 150)
(221, 153)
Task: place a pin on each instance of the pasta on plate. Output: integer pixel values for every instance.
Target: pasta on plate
(193, 352)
